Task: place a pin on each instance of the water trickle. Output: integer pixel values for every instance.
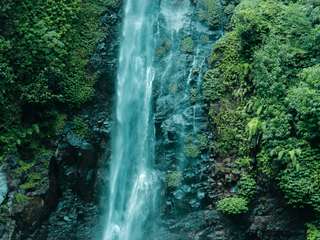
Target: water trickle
(133, 182)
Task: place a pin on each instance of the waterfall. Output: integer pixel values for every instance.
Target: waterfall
(133, 182)
(162, 59)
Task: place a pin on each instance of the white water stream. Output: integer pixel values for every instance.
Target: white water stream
(133, 182)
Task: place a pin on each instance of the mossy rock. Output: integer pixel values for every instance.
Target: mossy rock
(164, 48)
(211, 12)
(81, 127)
(187, 45)
(192, 151)
(174, 179)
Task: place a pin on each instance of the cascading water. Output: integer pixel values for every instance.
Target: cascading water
(133, 182)
(164, 44)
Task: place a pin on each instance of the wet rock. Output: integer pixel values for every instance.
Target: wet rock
(271, 220)
(73, 219)
(202, 225)
(76, 142)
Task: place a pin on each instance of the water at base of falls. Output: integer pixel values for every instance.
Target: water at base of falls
(133, 182)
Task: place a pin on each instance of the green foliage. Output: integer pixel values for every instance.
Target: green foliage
(233, 205)
(244, 163)
(163, 48)
(211, 11)
(45, 47)
(247, 187)
(33, 180)
(59, 123)
(187, 45)
(203, 141)
(112, 3)
(230, 134)
(300, 182)
(81, 127)
(4, 213)
(192, 150)
(313, 233)
(263, 92)
(174, 179)
(20, 199)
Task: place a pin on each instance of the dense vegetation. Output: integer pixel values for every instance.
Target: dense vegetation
(45, 77)
(262, 88)
(265, 80)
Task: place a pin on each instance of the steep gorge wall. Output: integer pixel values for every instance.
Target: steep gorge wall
(66, 203)
(195, 175)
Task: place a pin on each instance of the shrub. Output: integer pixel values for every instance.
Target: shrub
(192, 151)
(247, 187)
(313, 233)
(20, 198)
(174, 179)
(300, 182)
(46, 73)
(263, 93)
(81, 127)
(233, 205)
(187, 45)
(211, 11)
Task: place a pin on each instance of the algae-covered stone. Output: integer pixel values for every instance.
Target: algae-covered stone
(187, 45)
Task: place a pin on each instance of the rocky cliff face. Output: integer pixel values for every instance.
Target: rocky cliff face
(194, 180)
(66, 205)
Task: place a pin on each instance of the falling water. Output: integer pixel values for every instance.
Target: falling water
(151, 54)
(133, 182)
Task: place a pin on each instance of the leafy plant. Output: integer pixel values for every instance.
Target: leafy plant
(174, 179)
(233, 205)
(263, 94)
(313, 233)
(192, 151)
(247, 187)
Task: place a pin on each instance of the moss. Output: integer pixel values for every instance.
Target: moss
(4, 213)
(174, 179)
(187, 45)
(262, 89)
(233, 205)
(48, 69)
(112, 3)
(313, 233)
(231, 136)
(192, 151)
(80, 127)
(20, 199)
(23, 167)
(203, 141)
(32, 182)
(59, 123)
(211, 12)
(173, 88)
(163, 48)
(247, 187)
